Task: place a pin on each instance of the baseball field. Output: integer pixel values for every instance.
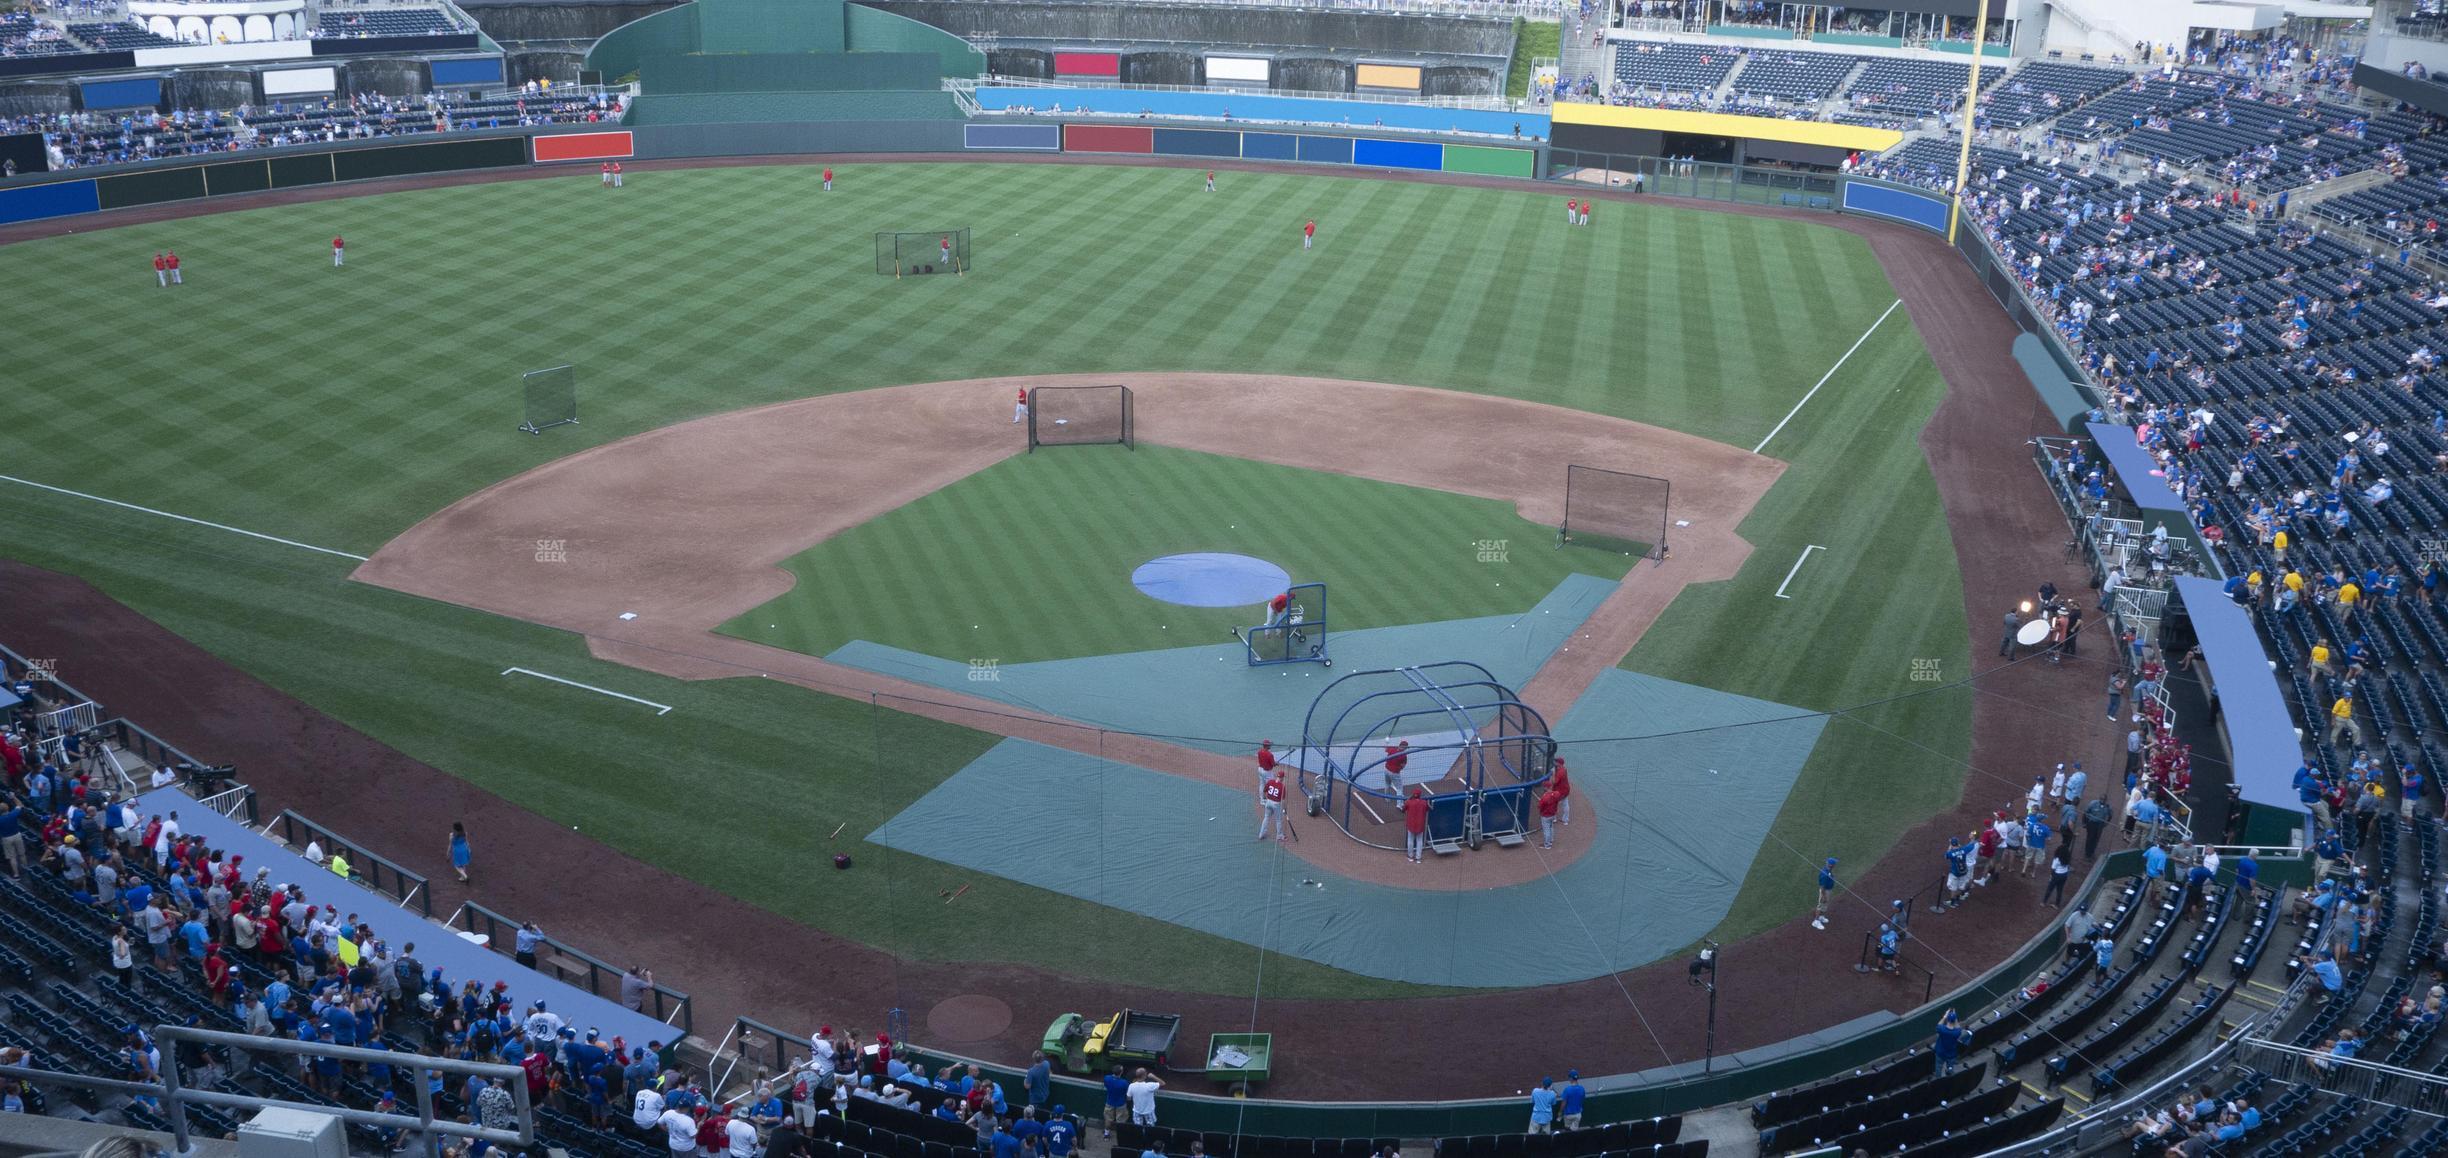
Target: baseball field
(301, 420)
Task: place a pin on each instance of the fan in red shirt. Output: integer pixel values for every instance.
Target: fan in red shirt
(161, 270)
(1988, 839)
(1415, 823)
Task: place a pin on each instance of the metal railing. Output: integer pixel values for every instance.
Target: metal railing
(668, 1005)
(236, 802)
(775, 1051)
(176, 1096)
(2351, 1077)
(365, 868)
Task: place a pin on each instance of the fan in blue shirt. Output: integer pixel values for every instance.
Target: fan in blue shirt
(1060, 1135)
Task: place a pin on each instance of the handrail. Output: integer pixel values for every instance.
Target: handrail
(231, 801)
(177, 1096)
(671, 1006)
(366, 868)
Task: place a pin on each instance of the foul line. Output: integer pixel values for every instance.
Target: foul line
(659, 708)
(1797, 569)
(1823, 378)
(180, 518)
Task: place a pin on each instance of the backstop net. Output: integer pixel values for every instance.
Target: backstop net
(1614, 511)
(925, 251)
(1078, 415)
(551, 397)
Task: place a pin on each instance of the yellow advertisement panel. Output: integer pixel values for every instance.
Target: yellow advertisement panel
(1861, 137)
(1400, 76)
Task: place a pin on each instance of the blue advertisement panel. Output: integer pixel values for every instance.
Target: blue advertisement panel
(1327, 150)
(35, 202)
(122, 94)
(461, 73)
(1041, 138)
(1198, 142)
(1399, 154)
(1927, 210)
(1270, 146)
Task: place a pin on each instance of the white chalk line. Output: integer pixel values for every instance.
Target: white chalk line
(180, 518)
(659, 708)
(1797, 569)
(1823, 378)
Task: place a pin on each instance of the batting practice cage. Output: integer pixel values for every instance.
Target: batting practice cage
(1614, 511)
(1080, 415)
(926, 251)
(1479, 753)
(551, 397)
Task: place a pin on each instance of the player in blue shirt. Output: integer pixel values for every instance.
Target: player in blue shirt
(1827, 888)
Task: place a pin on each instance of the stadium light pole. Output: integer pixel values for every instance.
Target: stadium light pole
(1963, 157)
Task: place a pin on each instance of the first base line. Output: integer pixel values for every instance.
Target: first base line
(659, 708)
(1797, 568)
(179, 517)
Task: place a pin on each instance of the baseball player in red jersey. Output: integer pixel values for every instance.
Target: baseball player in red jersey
(1020, 409)
(828, 180)
(175, 279)
(1279, 609)
(161, 271)
(1308, 233)
(1270, 805)
(1547, 804)
(946, 242)
(1562, 783)
(1398, 756)
(607, 174)
(1415, 823)
(1266, 760)
(1572, 213)
(1211, 180)
(616, 175)
(338, 246)
(1585, 208)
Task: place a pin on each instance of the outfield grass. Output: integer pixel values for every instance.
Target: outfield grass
(1389, 555)
(337, 407)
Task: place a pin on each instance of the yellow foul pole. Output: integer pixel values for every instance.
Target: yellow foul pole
(1963, 159)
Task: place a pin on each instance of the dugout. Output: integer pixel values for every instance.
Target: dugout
(1713, 138)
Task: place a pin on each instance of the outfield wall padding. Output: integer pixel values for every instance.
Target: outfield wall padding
(1326, 150)
(1926, 210)
(609, 146)
(1270, 146)
(1244, 107)
(1494, 162)
(151, 188)
(1108, 139)
(1030, 138)
(303, 169)
(1383, 154)
(1198, 143)
(237, 177)
(59, 199)
(404, 160)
